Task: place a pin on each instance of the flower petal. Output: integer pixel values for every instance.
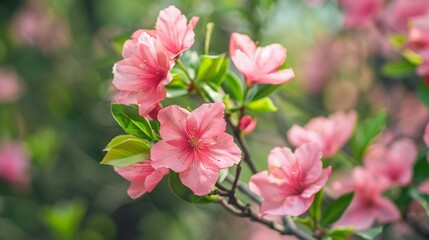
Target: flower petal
(172, 121)
(199, 179)
(207, 120)
(168, 156)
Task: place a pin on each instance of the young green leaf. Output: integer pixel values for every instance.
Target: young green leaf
(399, 69)
(183, 192)
(129, 119)
(316, 207)
(233, 86)
(265, 90)
(340, 233)
(365, 133)
(369, 234)
(212, 69)
(262, 105)
(423, 92)
(337, 208)
(126, 150)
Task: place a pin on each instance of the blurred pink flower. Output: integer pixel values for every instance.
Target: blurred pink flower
(10, 86)
(259, 64)
(34, 24)
(368, 205)
(14, 163)
(195, 145)
(423, 68)
(360, 13)
(395, 163)
(260, 232)
(426, 138)
(293, 181)
(329, 133)
(247, 124)
(141, 78)
(172, 31)
(424, 187)
(418, 36)
(399, 12)
(315, 3)
(143, 177)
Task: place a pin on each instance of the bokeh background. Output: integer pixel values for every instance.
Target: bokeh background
(59, 55)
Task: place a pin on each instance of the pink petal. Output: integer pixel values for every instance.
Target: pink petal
(298, 135)
(387, 211)
(222, 153)
(309, 157)
(292, 205)
(168, 156)
(173, 123)
(199, 179)
(207, 120)
(266, 186)
(278, 159)
(424, 187)
(270, 58)
(153, 179)
(316, 186)
(173, 32)
(242, 43)
(356, 216)
(279, 77)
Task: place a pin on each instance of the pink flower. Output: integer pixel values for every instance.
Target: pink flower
(10, 86)
(424, 187)
(329, 133)
(399, 12)
(259, 64)
(247, 124)
(34, 24)
(293, 181)
(360, 13)
(14, 163)
(426, 138)
(143, 177)
(423, 68)
(195, 145)
(394, 163)
(418, 36)
(172, 31)
(142, 76)
(368, 205)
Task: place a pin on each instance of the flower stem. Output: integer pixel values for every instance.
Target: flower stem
(209, 32)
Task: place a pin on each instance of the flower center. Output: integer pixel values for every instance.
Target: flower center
(194, 141)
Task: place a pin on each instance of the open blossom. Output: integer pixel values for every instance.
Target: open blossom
(143, 177)
(368, 205)
(395, 163)
(329, 133)
(292, 181)
(247, 124)
(418, 36)
(14, 163)
(259, 64)
(195, 145)
(141, 78)
(399, 12)
(360, 13)
(172, 31)
(10, 86)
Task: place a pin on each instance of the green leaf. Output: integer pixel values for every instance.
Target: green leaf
(233, 86)
(316, 208)
(421, 168)
(423, 92)
(212, 69)
(265, 90)
(421, 198)
(129, 119)
(306, 221)
(369, 234)
(183, 192)
(365, 133)
(63, 219)
(412, 57)
(262, 105)
(397, 40)
(337, 208)
(125, 150)
(399, 69)
(340, 233)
